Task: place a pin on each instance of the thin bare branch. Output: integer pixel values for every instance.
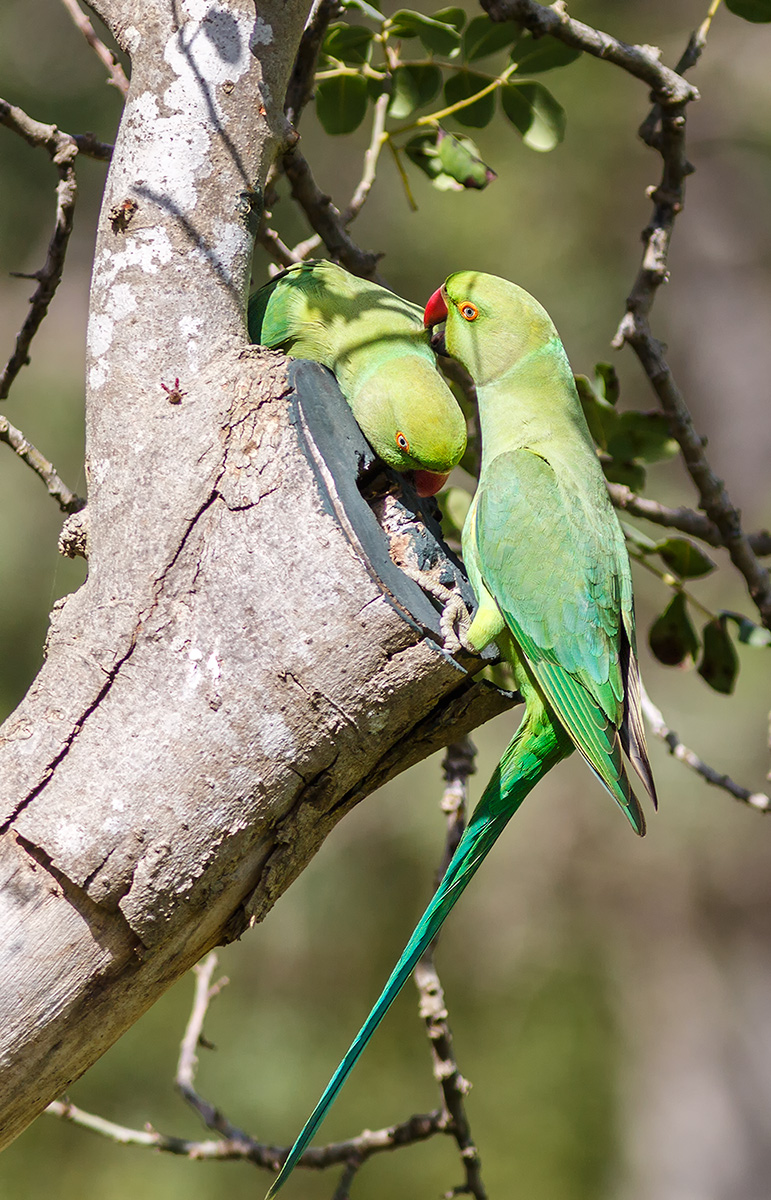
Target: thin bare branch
(224, 1150)
(67, 500)
(307, 246)
(359, 198)
(416, 1129)
(757, 800)
(713, 495)
(63, 150)
(90, 145)
(300, 88)
(343, 1189)
(323, 216)
(458, 765)
(688, 59)
(686, 520)
(276, 248)
(326, 219)
(235, 1144)
(188, 1061)
(117, 76)
(668, 200)
(640, 61)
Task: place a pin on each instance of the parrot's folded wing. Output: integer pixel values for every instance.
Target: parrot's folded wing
(557, 576)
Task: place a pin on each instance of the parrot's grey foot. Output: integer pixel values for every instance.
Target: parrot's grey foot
(454, 623)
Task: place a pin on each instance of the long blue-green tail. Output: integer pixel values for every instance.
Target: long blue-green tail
(535, 749)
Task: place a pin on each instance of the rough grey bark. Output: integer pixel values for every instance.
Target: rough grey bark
(232, 677)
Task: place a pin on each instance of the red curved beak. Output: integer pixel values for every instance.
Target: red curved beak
(428, 483)
(436, 310)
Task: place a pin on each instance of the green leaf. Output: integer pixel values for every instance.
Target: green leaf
(451, 16)
(596, 411)
(422, 151)
(630, 473)
(685, 558)
(532, 109)
(719, 664)
(533, 55)
(376, 85)
(341, 103)
(349, 43)
(758, 11)
(460, 86)
(672, 637)
(368, 10)
(460, 159)
(412, 87)
(606, 379)
(483, 37)
(439, 37)
(749, 633)
(642, 435)
(451, 163)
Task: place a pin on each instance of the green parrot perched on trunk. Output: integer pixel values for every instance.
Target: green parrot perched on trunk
(378, 348)
(546, 558)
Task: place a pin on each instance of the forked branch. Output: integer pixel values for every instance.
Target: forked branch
(63, 151)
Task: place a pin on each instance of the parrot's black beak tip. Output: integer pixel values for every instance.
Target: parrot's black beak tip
(437, 342)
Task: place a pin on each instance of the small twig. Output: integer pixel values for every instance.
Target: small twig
(377, 139)
(756, 800)
(396, 154)
(188, 1060)
(640, 61)
(440, 114)
(668, 199)
(458, 765)
(713, 495)
(276, 248)
(235, 1144)
(686, 520)
(416, 1129)
(688, 59)
(117, 75)
(300, 87)
(326, 219)
(89, 144)
(343, 1189)
(225, 1150)
(68, 502)
(307, 246)
(63, 150)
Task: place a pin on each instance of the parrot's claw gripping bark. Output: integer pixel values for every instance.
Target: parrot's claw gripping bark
(454, 624)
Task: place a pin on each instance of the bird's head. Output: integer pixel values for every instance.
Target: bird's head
(490, 323)
(412, 421)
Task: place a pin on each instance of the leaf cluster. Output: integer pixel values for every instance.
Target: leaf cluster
(626, 440)
(422, 61)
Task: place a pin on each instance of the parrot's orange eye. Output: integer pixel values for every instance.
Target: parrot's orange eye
(402, 442)
(469, 311)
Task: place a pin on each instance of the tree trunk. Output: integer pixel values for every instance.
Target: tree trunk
(236, 673)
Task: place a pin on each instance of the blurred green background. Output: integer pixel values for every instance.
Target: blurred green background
(609, 997)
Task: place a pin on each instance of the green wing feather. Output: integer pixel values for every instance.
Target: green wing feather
(553, 560)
